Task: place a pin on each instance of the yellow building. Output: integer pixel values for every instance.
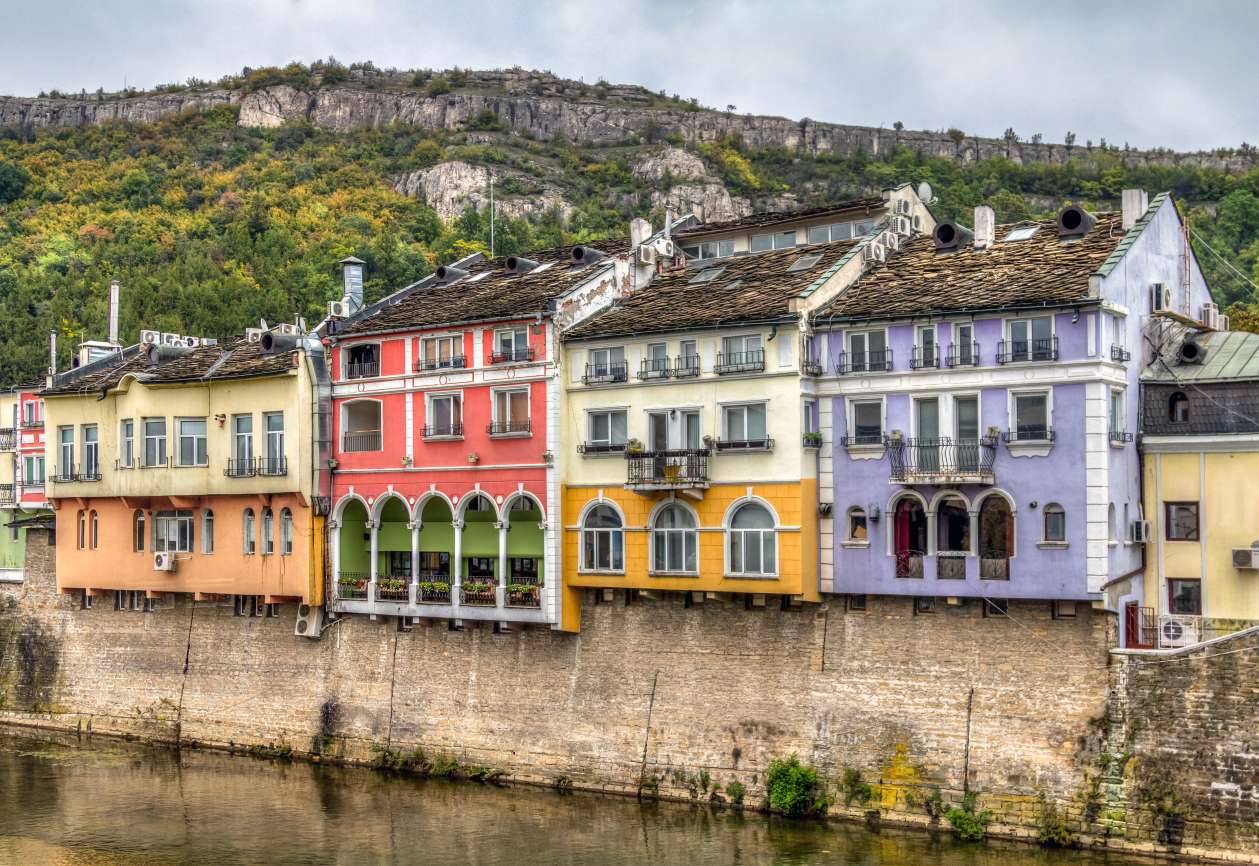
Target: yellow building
(690, 432)
(1200, 441)
(177, 469)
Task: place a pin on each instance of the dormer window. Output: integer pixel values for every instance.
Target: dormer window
(709, 250)
(776, 241)
(1178, 408)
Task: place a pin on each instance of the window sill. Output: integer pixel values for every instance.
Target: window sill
(693, 574)
(855, 545)
(865, 452)
(443, 438)
(601, 455)
(729, 576)
(1057, 545)
(1030, 448)
(601, 572)
(524, 434)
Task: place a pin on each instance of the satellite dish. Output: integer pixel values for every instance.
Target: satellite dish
(925, 193)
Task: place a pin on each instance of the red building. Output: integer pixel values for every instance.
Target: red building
(29, 436)
(446, 401)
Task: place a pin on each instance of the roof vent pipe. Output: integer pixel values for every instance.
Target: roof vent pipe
(113, 312)
(668, 222)
(449, 273)
(1192, 352)
(271, 342)
(1074, 221)
(949, 236)
(161, 354)
(585, 255)
(1135, 203)
(985, 227)
(520, 265)
(352, 283)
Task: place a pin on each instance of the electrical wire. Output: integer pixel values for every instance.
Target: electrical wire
(1225, 261)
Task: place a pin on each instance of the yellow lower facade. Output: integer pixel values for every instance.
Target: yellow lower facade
(1224, 486)
(793, 504)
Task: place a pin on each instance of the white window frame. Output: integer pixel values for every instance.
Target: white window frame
(865, 333)
(1115, 420)
(273, 439)
(173, 526)
(30, 476)
(850, 409)
(774, 240)
(126, 443)
(615, 410)
(661, 535)
(849, 540)
(249, 532)
(429, 401)
(807, 422)
(726, 408)
(455, 341)
(90, 450)
(179, 442)
(720, 249)
(958, 342)
(520, 390)
(1009, 336)
(920, 332)
(1044, 525)
(729, 536)
(286, 531)
(207, 530)
(268, 531)
(743, 340)
(246, 438)
(516, 345)
(592, 535)
(1012, 403)
(65, 451)
(345, 358)
(162, 452)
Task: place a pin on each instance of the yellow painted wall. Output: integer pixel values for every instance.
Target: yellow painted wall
(1228, 518)
(8, 461)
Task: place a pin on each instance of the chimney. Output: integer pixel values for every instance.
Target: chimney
(668, 222)
(640, 230)
(52, 356)
(113, 312)
(1135, 203)
(352, 283)
(985, 227)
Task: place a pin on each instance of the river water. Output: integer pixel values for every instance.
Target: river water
(106, 803)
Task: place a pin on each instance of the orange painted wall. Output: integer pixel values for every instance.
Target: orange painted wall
(115, 564)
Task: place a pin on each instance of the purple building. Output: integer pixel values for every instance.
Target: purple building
(979, 405)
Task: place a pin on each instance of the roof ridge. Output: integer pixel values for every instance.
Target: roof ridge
(1130, 238)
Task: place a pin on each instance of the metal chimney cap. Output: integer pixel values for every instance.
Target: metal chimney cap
(351, 260)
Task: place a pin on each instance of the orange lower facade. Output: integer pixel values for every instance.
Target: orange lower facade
(111, 544)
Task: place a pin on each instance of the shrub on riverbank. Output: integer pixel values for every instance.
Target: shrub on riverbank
(796, 789)
(967, 822)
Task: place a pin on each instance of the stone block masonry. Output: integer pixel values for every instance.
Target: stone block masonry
(651, 694)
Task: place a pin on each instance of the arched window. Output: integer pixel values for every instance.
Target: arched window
(674, 541)
(1178, 408)
(858, 526)
(1056, 523)
(268, 532)
(753, 542)
(207, 531)
(82, 539)
(996, 538)
(602, 540)
(952, 526)
(137, 531)
(247, 531)
(96, 529)
(1110, 524)
(286, 531)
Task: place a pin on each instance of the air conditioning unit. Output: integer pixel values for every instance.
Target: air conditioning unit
(1160, 297)
(309, 621)
(872, 252)
(1177, 630)
(900, 225)
(254, 335)
(646, 255)
(902, 206)
(153, 338)
(338, 309)
(1245, 557)
(1223, 324)
(286, 328)
(171, 339)
(1139, 531)
(890, 240)
(163, 561)
(190, 342)
(1210, 315)
(664, 247)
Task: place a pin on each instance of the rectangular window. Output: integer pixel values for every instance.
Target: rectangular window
(924, 604)
(172, 531)
(774, 241)
(964, 346)
(1116, 413)
(808, 423)
(927, 346)
(1182, 521)
(607, 430)
(1032, 339)
(65, 452)
(127, 444)
(439, 353)
(688, 358)
(192, 442)
(33, 471)
(1031, 416)
(445, 415)
(91, 465)
(856, 602)
(511, 345)
(996, 607)
(154, 441)
(1055, 524)
(242, 440)
(742, 344)
(744, 423)
(867, 350)
(362, 361)
(273, 424)
(1063, 610)
(606, 362)
(867, 422)
(30, 414)
(1184, 596)
(511, 411)
(710, 250)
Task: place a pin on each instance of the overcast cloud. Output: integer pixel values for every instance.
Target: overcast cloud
(1150, 73)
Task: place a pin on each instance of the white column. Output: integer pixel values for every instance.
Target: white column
(414, 526)
(502, 561)
(373, 525)
(456, 564)
(333, 528)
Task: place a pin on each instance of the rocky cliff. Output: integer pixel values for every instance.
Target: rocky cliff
(540, 106)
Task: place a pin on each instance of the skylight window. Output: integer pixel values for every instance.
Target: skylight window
(707, 275)
(1021, 234)
(804, 263)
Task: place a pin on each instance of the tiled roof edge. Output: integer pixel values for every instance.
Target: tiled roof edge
(835, 268)
(1130, 238)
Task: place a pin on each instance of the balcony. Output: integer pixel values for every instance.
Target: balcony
(729, 363)
(362, 369)
(246, 467)
(524, 590)
(63, 475)
(8, 494)
(274, 466)
(89, 473)
(764, 444)
(601, 448)
(1017, 351)
(478, 590)
(865, 362)
(33, 424)
(449, 430)
(962, 355)
(518, 355)
(668, 470)
(924, 358)
(942, 461)
(353, 585)
(606, 374)
(432, 587)
(362, 440)
(655, 368)
(8, 438)
(510, 428)
(395, 587)
(686, 367)
(811, 367)
(1028, 435)
(428, 365)
(1120, 354)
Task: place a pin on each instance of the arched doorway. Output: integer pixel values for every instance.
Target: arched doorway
(479, 551)
(525, 543)
(393, 551)
(996, 538)
(910, 537)
(353, 552)
(436, 546)
(953, 541)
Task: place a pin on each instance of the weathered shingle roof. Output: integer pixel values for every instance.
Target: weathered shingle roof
(233, 360)
(1043, 269)
(499, 295)
(751, 288)
(870, 205)
(1230, 356)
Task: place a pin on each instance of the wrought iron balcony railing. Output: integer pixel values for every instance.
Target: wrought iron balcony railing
(680, 468)
(449, 430)
(425, 365)
(8, 494)
(1120, 354)
(517, 355)
(606, 374)
(8, 439)
(924, 358)
(655, 368)
(1014, 351)
(1119, 437)
(510, 428)
(88, 472)
(1028, 434)
(863, 439)
(942, 461)
(762, 444)
(740, 362)
(362, 369)
(244, 467)
(600, 447)
(273, 466)
(33, 424)
(865, 362)
(963, 355)
(62, 475)
(686, 367)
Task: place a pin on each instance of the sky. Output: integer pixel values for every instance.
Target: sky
(1148, 73)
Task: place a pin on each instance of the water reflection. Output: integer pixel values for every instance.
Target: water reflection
(66, 804)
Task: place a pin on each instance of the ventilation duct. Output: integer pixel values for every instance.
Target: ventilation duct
(585, 255)
(1074, 221)
(520, 265)
(162, 354)
(1192, 352)
(272, 342)
(949, 236)
(449, 273)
